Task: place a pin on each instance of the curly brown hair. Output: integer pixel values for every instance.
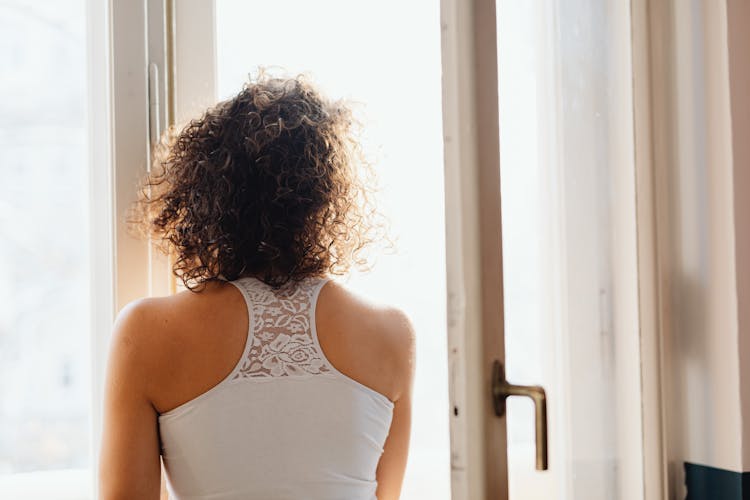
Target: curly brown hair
(270, 183)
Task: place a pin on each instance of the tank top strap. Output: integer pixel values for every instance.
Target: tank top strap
(281, 339)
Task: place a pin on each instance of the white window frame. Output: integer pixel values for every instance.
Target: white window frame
(128, 108)
(474, 246)
(102, 237)
(649, 293)
(462, 26)
(132, 101)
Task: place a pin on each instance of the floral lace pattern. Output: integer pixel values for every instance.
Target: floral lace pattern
(282, 342)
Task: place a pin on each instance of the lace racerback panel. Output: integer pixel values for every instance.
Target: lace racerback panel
(280, 341)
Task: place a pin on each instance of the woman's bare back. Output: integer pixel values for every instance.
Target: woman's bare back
(203, 335)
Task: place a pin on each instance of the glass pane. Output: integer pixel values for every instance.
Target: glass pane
(44, 251)
(386, 56)
(524, 233)
(563, 136)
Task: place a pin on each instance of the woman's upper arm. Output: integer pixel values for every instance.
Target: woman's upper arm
(392, 465)
(129, 465)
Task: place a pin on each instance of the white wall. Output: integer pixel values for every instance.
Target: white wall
(701, 157)
(738, 37)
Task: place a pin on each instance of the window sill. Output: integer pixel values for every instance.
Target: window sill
(69, 484)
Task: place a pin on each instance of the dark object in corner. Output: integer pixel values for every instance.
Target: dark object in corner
(709, 483)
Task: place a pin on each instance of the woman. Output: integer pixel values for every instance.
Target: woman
(266, 378)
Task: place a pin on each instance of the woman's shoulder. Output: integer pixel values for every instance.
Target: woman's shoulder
(172, 341)
(153, 318)
(367, 338)
(163, 327)
(348, 308)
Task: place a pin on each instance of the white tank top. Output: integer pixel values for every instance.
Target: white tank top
(285, 423)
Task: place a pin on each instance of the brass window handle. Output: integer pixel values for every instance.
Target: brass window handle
(501, 389)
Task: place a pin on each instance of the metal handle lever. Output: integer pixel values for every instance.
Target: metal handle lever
(501, 389)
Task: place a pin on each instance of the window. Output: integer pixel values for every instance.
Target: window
(45, 389)
(570, 272)
(396, 81)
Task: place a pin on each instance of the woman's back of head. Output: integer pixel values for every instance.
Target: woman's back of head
(270, 183)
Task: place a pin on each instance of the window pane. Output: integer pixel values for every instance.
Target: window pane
(567, 165)
(44, 251)
(386, 56)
